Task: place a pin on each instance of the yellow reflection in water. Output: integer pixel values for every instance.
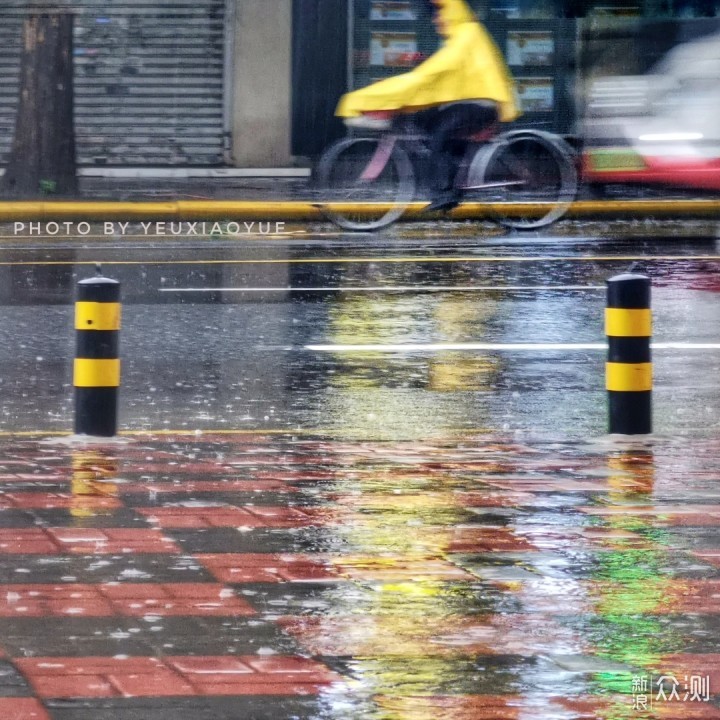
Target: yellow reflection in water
(384, 395)
(92, 477)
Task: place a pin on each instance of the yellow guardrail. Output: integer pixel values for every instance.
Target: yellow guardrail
(304, 210)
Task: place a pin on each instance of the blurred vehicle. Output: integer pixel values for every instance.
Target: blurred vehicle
(660, 128)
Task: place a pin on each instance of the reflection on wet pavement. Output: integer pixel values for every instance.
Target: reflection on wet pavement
(380, 534)
(464, 576)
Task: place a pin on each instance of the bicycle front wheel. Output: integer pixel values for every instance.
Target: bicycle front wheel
(530, 176)
(364, 184)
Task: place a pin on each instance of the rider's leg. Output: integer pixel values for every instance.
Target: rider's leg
(453, 122)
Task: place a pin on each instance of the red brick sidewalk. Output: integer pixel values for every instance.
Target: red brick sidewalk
(253, 577)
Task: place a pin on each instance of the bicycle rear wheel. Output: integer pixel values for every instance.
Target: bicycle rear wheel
(535, 175)
(357, 196)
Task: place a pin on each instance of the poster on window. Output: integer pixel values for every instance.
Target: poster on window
(506, 8)
(530, 47)
(391, 10)
(393, 49)
(627, 11)
(535, 94)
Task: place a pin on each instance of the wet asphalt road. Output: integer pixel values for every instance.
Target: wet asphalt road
(252, 333)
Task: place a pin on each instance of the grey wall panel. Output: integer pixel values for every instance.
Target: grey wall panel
(148, 80)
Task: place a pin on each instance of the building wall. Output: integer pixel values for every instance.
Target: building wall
(261, 102)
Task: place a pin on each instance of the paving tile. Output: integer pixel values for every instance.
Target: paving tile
(99, 519)
(272, 540)
(111, 540)
(136, 599)
(291, 667)
(86, 607)
(74, 635)
(661, 515)
(71, 666)
(58, 568)
(471, 539)
(709, 556)
(27, 542)
(249, 707)
(221, 487)
(49, 686)
(12, 683)
(395, 568)
(151, 500)
(493, 499)
(50, 501)
(221, 607)
(260, 688)
(22, 709)
(220, 517)
(200, 666)
(159, 683)
(173, 676)
(13, 518)
(267, 567)
(146, 635)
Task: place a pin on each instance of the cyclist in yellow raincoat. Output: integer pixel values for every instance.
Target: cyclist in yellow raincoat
(464, 87)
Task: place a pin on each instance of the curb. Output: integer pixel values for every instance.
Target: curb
(309, 211)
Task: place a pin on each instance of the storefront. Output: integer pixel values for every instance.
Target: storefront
(549, 45)
(253, 83)
(389, 36)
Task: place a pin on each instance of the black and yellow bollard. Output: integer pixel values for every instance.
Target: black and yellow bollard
(628, 326)
(97, 363)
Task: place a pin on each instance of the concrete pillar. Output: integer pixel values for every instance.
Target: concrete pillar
(262, 93)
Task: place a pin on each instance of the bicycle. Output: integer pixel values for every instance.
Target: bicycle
(366, 183)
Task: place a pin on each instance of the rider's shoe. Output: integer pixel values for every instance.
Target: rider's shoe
(444, 202)
(370, 121)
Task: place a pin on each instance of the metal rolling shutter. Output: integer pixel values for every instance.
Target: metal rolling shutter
(148, 80)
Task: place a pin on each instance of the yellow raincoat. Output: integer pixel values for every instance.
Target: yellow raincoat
(468, 66)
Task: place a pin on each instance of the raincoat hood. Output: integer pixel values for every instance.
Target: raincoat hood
(453, 13)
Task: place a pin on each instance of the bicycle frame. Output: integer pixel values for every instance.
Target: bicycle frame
(387, 143)
(380, 159)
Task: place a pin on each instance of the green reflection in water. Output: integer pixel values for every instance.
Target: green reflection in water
(632, 587)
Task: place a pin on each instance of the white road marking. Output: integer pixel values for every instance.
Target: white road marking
(503, 347)
(390, 288)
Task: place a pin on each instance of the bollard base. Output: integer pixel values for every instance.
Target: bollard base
(630, 412)
(96, 411)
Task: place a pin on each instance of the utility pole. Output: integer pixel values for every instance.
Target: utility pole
(42, 157)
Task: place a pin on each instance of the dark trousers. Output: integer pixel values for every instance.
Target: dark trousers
(448, 127)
